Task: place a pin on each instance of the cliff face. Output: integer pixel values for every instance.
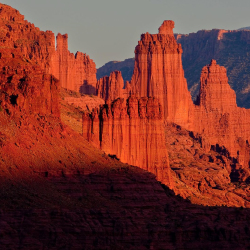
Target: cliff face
(26, 87)
(23, 37)
(158, 72)
(75, 72)
(133, 131)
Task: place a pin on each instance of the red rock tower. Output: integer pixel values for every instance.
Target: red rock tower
(215, 92)
(167, 28)
(158, 72)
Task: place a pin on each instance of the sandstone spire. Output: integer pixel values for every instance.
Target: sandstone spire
(215, 92)
(158, 72)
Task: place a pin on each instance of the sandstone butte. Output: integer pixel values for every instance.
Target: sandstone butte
(75, 72)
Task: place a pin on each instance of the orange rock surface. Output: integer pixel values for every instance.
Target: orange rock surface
(217, 116)
(133, 132)
(75, 72)
(158, 72)
(110, 88)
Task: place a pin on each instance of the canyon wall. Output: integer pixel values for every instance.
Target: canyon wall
(26, 87)
(75, 72)
(133, 131)
(158, 72)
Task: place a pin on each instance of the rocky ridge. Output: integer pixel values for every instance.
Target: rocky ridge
(126, 67)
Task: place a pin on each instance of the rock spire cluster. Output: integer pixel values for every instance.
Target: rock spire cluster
(158, 73)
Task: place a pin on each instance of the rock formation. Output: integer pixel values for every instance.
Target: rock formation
(110, 88)
(126, 67)
(26, 87)
(75, 72)
(217, 116)
(229, 48)
(158, 72)
(216, 94)
(133, 132)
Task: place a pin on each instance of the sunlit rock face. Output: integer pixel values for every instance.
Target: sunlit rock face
(133, 131)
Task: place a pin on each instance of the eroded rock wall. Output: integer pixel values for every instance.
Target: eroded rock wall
(75, 72)
(158, 72)
(133, 131)
(110, 87)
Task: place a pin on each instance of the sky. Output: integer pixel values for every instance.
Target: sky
(109, 30)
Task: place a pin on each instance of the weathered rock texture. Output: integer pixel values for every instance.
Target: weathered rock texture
(133, 132)
(110, 88)
(217, 116)
(59, 192)
(158, 72)
(202, 174)
(26, 87)
(229, 48)
(76, 72)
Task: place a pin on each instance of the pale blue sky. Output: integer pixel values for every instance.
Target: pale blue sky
(110, 29)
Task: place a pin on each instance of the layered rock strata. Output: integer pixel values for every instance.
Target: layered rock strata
(75, 72)
(230, 48)
(217, 116)
(110, 88)
(158, 72)
(133, 132)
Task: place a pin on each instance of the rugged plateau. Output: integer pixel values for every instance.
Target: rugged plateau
(58, 191)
